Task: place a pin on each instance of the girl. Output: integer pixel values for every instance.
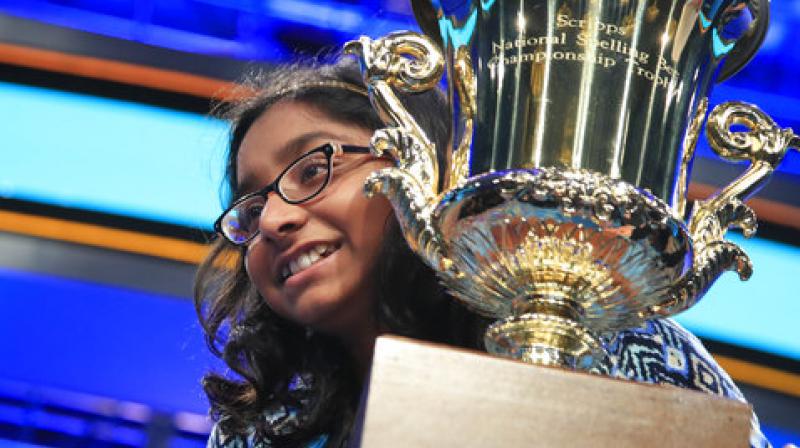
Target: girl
(319, 269)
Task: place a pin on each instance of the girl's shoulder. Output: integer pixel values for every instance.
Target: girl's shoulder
(219, 438)
(662, 351)
(281, 419)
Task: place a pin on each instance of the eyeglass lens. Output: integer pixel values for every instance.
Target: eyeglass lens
(303, 179)
(241, 222)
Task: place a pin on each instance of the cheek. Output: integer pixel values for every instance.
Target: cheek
(256, 265)
(380, 213)
(367, 222)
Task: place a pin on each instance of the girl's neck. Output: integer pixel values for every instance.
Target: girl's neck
(360, 345)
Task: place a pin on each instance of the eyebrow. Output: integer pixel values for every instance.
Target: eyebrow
(289, 151)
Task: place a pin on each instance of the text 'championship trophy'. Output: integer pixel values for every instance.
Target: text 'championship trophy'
(560, 210)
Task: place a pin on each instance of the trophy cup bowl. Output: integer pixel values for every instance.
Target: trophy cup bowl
(570, 249)
(560, 210)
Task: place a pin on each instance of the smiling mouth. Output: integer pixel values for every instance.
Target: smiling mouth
(306, 260)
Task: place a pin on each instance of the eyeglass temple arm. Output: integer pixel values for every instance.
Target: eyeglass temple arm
(355, 149)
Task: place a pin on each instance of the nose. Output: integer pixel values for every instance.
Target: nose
(280, 220)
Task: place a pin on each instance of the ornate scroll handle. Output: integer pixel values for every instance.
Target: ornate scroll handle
(409, 62)
(765, 145)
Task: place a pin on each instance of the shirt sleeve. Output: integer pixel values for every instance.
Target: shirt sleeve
(663, 352)
(219, 439)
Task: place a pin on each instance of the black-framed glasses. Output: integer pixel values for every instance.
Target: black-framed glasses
(301, 181)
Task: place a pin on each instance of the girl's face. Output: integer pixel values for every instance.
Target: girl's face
(340, 230)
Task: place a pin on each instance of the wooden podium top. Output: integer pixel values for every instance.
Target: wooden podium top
(425, 395)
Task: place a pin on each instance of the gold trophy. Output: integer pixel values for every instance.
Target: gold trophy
(560, 211)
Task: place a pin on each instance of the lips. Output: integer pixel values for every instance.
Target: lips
(303, 258)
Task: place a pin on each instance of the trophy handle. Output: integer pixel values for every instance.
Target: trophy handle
(463, 82)
(765, 145)
(746, 47)
(409, 62)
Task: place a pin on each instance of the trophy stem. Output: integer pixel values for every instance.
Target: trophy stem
(548, 333)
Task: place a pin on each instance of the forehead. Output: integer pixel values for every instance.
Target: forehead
(284, 132)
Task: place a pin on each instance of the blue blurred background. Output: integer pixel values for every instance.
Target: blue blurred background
(101, 345)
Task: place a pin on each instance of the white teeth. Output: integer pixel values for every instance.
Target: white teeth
(304, 261)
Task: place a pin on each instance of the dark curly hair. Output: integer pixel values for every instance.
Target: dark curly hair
(266, 352)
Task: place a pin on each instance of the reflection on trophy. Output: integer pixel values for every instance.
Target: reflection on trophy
(560, 211)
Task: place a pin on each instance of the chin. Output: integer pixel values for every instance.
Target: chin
(312, 310)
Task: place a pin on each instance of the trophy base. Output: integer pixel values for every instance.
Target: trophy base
(496, 403)
(561, 255)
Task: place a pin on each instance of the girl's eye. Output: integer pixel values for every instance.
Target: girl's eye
(312, 172)
(305, 177)
(253, 212)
